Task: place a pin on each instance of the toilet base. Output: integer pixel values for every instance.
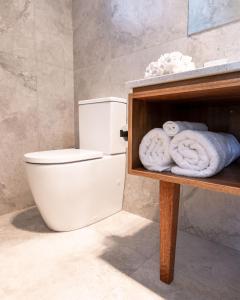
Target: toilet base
(73, 195)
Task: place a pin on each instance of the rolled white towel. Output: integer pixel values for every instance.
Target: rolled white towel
(174, 127)
(154, 150)
(202, 153)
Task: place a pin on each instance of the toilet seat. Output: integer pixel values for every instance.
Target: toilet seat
(61, 156)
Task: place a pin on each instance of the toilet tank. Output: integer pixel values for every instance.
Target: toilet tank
(100, 122)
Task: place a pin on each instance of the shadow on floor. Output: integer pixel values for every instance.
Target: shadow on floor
(136, 256)
(30, 220)
(203, 270)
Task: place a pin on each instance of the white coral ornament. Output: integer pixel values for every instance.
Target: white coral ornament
(169, 63)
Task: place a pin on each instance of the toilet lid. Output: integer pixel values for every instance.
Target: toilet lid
(61, 156)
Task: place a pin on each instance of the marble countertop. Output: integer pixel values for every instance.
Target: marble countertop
(197, 73)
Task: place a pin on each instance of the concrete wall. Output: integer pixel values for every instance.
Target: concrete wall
(36, 89)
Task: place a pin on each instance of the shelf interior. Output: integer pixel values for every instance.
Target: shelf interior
(220, 112)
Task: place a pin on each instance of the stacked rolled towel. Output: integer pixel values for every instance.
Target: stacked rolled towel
(174, 127)
(154, 150)
(202, 153)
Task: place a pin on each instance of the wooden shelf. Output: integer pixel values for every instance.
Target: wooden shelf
(227, 181)
(214, 100)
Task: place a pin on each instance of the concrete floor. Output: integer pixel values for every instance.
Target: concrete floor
(116, 258)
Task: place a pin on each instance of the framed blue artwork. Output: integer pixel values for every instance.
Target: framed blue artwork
(207, 14)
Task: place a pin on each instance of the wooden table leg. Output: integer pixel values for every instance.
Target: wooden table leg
(169, 203)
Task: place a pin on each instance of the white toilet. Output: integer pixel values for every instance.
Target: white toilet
(73, 188)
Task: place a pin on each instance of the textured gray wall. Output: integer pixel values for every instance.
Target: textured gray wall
(113, 42)
(36, 89)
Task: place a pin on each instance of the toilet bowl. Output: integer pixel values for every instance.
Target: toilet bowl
(73, 188)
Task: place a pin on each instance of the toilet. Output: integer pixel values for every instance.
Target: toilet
(73, 188)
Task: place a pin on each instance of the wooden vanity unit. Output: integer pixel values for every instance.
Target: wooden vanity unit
(211, 96)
